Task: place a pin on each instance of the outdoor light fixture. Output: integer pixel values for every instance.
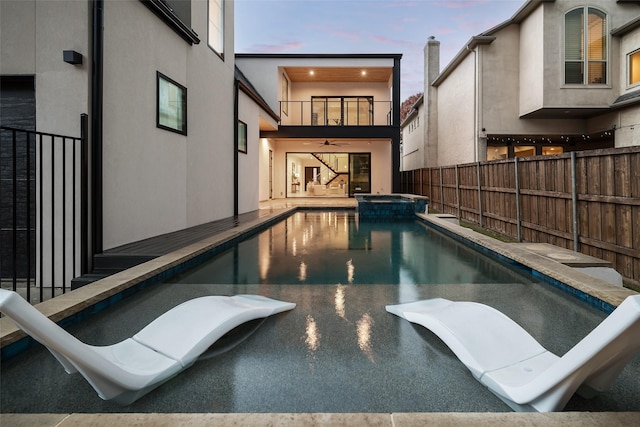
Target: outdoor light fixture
(72, 57)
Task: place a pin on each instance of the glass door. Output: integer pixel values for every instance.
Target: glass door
(359, 173)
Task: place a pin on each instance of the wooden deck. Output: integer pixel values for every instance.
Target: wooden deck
(122, 257)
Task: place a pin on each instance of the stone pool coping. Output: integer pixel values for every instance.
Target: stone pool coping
(551, 419)
(81, 299)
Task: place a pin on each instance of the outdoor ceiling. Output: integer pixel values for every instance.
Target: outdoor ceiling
(339, 74)
(565, 113)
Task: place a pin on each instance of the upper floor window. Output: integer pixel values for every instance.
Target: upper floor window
(341, 110)
(585, 46)
(634, 68)
(216, 25)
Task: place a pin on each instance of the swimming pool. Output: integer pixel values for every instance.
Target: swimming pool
(337, 351)
(311, 247)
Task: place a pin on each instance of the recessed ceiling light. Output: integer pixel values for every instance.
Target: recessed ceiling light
(363, 72)
(311, 72)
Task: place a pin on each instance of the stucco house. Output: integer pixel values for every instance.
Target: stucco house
(180, 130)
(560, 75)
(339, 130)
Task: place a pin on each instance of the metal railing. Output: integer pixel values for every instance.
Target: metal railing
(307, 113)
(43, 210)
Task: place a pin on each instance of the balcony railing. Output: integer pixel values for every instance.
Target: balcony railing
(307, 113)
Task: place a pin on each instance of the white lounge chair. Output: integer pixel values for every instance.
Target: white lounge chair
(514, 366)
(125, 371)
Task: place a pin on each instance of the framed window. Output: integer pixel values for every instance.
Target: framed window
(342, 111)
(171, 105)
(215, 37)
(285, 95)
(585, 46)
(242, 137)
(634, 68)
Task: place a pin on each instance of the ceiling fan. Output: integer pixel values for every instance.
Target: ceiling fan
(327, 143)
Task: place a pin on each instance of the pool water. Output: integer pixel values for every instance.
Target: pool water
(334, 247)
(338, 350)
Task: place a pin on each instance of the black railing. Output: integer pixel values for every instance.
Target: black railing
(43, 210)
(306, 113)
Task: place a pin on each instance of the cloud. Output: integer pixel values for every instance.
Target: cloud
(276, 48)
(394, 42)
(458, 4)
(352, 37)
(440, 31)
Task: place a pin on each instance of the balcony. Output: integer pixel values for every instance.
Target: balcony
(332, 112)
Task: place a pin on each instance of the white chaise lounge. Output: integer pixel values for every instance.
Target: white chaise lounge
(514, 366)
(125, 371)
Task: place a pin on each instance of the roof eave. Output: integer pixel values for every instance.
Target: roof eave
(466, 50)
(487, 36)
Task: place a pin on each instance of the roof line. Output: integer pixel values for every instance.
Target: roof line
(318, 55)
(487, 37)
(248, 88)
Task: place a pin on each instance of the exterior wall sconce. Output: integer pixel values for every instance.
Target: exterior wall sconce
(72, 57)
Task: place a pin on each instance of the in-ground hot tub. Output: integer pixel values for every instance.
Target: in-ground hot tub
(390, 206)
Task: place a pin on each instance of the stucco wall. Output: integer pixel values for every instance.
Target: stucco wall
(499, 73)
(532, 66)
(456, 115)
(629, 43)
(556, 93)
(33, 35)
(248, 164)
(263, 182)
(412, 143)
(628, 132)
(157, 181)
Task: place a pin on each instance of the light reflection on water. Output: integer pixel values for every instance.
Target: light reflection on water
(315, 247)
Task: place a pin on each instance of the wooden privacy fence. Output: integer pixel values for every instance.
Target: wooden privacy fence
(588, 201)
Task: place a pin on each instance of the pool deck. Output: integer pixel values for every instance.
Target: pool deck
(75, 301)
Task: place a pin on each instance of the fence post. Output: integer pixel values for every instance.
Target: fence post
(457, 192)
(515, 162)
(479, 194)
(574, 201)
(441, 192)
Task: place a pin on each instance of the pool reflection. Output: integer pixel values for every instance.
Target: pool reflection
(315, 248)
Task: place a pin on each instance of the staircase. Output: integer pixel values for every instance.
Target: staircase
(332, 162)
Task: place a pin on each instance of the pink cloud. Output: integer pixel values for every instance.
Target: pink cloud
(440, 31)
(353, 37)
(394, 42)
(458, 4)
(276, 48)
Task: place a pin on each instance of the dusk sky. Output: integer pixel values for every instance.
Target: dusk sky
(367, 26)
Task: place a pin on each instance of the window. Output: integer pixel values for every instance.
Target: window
(216, 26)
(342, 111)
(585, 46)
(634, 68)
(242, 137)
(171, 105)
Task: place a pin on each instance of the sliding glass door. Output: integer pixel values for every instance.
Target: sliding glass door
(359, 173)
(342, 111)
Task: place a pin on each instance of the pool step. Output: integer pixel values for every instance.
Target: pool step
(106, 264)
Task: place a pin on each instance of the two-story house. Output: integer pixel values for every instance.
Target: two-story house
(339, 130)
(556, 77)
